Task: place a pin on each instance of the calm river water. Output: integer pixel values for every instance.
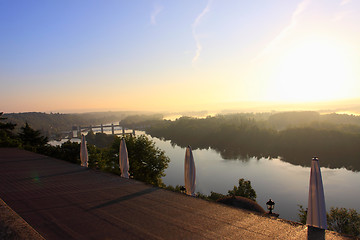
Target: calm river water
(286, 184)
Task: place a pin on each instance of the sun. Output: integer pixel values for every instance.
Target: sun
(314, 69)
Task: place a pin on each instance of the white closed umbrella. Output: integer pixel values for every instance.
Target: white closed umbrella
(123, 159)
(316, 214)
(190, 172)
(83, 152)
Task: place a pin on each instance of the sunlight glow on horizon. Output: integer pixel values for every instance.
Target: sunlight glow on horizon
(179, 55)
(314, 70)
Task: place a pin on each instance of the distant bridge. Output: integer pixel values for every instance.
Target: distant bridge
(77, 130)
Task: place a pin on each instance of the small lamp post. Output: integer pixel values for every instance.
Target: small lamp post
(182, 189)
(270, 206)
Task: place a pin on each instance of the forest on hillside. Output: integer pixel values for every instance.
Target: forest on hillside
(295, 137)
(54, 124)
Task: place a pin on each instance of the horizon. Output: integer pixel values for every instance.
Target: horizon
(348, 107)
(162, 56)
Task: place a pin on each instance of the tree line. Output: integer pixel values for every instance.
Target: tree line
(54, 124)
(147, 162)
(295, 137)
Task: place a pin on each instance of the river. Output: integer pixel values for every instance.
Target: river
(286, 184)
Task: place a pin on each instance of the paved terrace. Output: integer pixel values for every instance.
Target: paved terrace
(61, 200)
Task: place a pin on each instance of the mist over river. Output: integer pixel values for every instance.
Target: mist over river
(286, 184)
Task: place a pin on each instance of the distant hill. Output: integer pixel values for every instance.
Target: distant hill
(284, 120)
(54, 124)
(296, 137)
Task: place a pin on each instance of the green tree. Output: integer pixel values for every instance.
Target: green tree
(8, 127)
(215, 196)
(341, 220)
(344, 220)
(31, 137)
(68, 151)
(302, 214)
(177, 188)
(244, 190)
(147, 162)
(100, 140)
(95, 156)
(7, 138)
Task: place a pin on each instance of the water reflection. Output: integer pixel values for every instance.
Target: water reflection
(285, 183)
(331, 157)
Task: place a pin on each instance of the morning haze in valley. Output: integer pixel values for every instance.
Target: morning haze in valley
(258, 93)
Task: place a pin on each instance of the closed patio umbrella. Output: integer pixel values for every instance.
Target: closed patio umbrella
(123, 159)
(83, 152)
(190, 172)
(316, 214)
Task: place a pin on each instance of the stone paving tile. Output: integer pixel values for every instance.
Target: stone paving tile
(61, 200)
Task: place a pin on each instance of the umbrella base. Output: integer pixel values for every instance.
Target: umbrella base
(315, 233)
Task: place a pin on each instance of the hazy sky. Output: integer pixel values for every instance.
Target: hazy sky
(70, 55)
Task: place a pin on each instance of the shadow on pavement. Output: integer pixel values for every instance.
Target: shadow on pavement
(124, 198)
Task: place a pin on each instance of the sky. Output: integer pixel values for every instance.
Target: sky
(161, 55)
